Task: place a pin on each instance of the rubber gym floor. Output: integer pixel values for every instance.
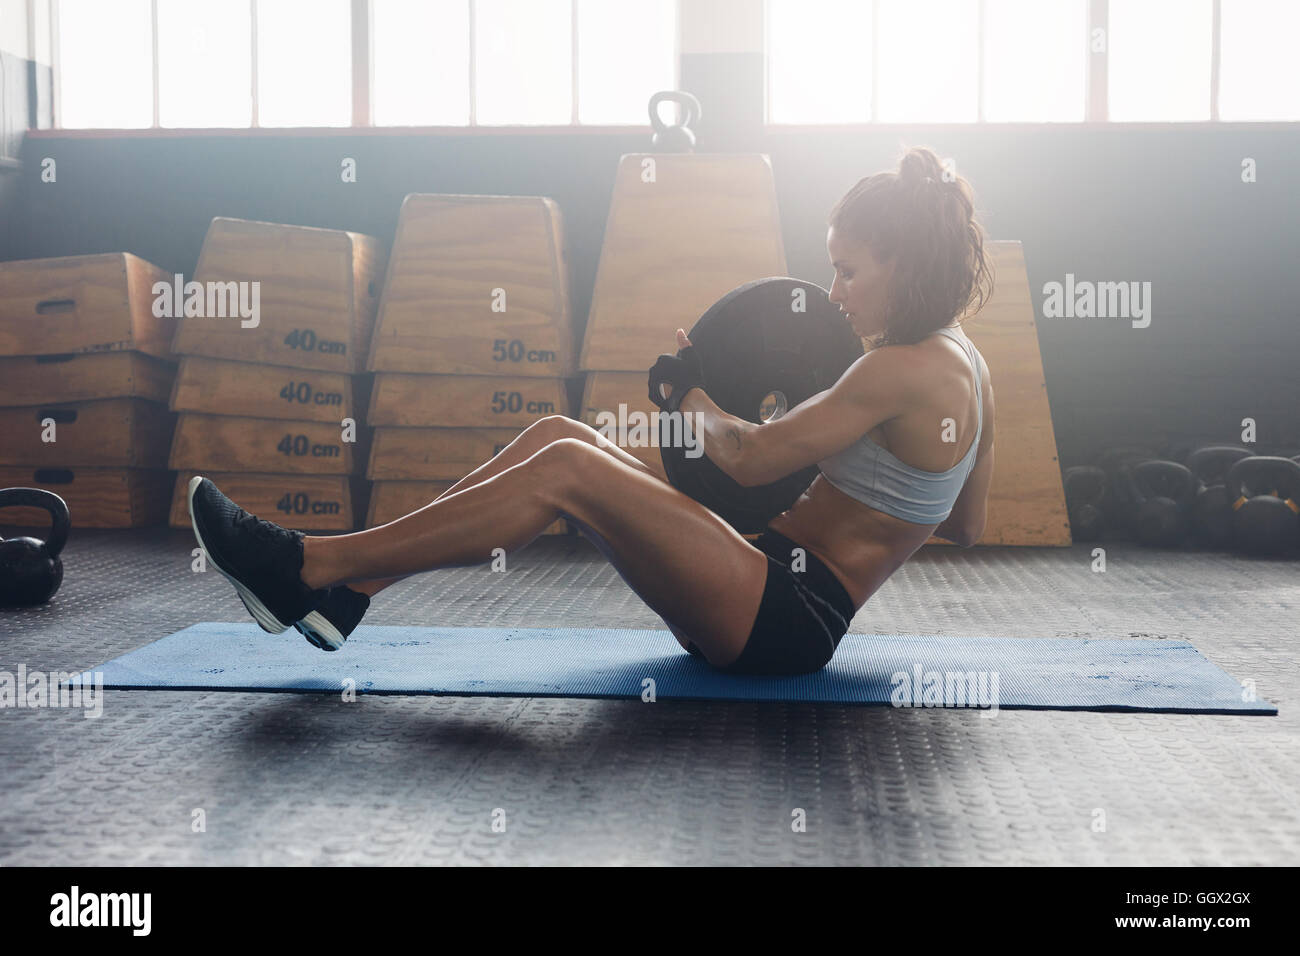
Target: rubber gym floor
(309, 779)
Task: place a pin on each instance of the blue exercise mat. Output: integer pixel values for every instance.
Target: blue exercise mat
(908, 670)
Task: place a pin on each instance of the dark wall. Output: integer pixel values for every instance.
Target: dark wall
(1164, 205)
(25, 103)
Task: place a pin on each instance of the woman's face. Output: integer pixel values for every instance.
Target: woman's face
(861, 285)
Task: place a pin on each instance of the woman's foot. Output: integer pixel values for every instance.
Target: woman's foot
(261, 559)
(337, 613)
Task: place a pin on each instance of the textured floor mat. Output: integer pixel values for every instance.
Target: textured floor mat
(903, 670)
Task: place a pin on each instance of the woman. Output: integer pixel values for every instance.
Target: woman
(904, 441)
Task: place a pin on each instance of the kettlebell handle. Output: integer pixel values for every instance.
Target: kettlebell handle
(1210, 463)
(40, 498)
(1160, 478)
(1264, 472)
(681, 97)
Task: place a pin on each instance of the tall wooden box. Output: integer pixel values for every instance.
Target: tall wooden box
(317, 293)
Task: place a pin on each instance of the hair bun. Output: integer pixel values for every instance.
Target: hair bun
(920, 166)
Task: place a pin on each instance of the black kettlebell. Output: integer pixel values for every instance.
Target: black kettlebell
(671, 138)
(30, 569)
(1085, 494)
(1265, 494)
(1162, 493)
(1120, 504)
(1212, 509)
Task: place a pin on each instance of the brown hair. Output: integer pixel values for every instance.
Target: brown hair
(924, 218)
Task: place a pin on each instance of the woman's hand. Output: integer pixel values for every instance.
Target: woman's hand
(683, 342)
(671, 377)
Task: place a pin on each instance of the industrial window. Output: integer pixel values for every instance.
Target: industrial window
(1033, 61)
(138, 64)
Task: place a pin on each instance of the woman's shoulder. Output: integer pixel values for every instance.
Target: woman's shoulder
(946, 354)
(936, 369)
(935, 351)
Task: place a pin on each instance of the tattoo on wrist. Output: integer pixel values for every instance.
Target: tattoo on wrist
(733, 436)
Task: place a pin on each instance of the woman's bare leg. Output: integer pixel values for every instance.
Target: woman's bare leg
(685, 562)
(526, 444)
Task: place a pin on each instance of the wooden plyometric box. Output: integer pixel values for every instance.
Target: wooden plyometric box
(300, 502)
(476, 285)
(40, 379)
(79, 304)
(675, 245)
(96, 497)
(606, 391)
(316, 292)
(464, 401)
(390, 500)
(110, 432)
(1026, 504)
(222, 387)
(229, 443)
(433, 454)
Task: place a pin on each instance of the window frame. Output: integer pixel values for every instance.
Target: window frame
(362, 71)
(1096, 106)
(1096, 85)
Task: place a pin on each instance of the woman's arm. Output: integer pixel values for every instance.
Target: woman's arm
(872, 391)
(724, 438)
(949, 530)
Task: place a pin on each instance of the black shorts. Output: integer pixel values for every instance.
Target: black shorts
(801, 618)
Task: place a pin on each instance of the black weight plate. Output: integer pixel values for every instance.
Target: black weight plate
(752, 342)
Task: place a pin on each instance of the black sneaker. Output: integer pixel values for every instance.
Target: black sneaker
(337, 613)
(262, 560)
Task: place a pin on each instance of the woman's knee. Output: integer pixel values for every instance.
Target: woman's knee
(555, 427)
(546, 430)
(541, 433)
(565, 459)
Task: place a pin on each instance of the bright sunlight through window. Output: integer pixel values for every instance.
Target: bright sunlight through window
(819, 61)
(1259, 72)
(304, 48)
(1160, 60)
(204, 54)
(1035, 61)
(421, 62)
(106, 58)
(625, 53)
(524, 61)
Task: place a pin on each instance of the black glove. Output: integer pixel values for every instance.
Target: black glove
(682, 371)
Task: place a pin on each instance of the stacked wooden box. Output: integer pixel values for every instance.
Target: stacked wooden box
(473, 343)
(683, 230)
(270, 407)
(84, 380)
